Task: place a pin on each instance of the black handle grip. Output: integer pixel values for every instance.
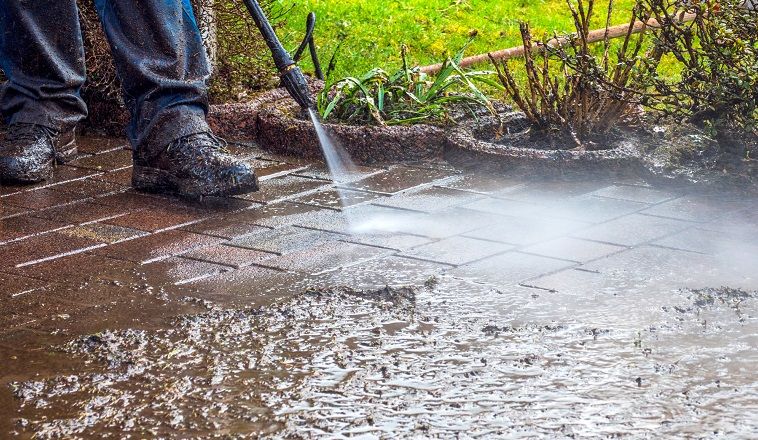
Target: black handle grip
(282, 59)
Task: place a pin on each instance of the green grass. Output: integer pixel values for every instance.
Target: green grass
(374, 30)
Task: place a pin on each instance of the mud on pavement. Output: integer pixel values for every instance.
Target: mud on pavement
(451, 359)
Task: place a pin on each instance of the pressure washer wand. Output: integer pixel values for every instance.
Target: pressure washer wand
(292, 77)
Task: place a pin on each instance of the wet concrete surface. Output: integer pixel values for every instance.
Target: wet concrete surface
(516, 309)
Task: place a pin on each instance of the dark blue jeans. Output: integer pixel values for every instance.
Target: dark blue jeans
(158, 53)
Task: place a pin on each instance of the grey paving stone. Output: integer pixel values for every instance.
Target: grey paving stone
(709, 242)
(393, 240)
(592, 209)
(284, 240)
(573, 249)
(602, 300)
(694, 208)
(178, 270)
(398, 179)
(481, 183)
(282, 188)
(646, 266)
(232, 256)
(325, 257)
(319, 170)
(248, 287)
(364, 219)
(442, 224)
(333, 198)
(428, 199)
(457, 250)
(377, 273)
(526, 231)
(550, 192)
(510, 268)
(632, 230)
(513, 208)
(635, 193)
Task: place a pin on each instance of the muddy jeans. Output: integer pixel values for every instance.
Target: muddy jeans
(158, 53)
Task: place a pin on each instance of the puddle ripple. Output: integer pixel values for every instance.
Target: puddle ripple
(427, 363)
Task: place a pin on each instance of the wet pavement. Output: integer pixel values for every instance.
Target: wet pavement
(517, 308)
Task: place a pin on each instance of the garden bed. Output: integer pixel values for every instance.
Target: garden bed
(512, 146)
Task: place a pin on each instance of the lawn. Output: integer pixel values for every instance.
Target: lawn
(374, 30)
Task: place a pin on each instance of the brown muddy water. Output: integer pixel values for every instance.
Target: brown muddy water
(640, 342)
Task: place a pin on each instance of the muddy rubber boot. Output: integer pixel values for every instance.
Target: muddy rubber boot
(29, 152)
(194, 166)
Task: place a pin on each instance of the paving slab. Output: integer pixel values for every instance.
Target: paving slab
(397, 179)
(83, 212)
(90, 187)
(284, 240)
(513, 208)
(254, 219)
(646, 265)
(377, 273)
(103, 232)
(108, 161)
(573, 249)
(14, 285)
(642, 194)
(62, 174)
(122, 177)
(68, 270)
(97, 145)
(179, 270)
(156, 246)
(26, 225)
(30, 307)
(694, 208)
(332, 198)
(429, 199)
(44, 246)
(394, 241)
(632, 230)
(457, 250)
(481, 183)
(7, 210)
(509, 268)
(709, 242)
(233, 256)
(526, 231)
(319, 170)
(159, 218)
(282, 188)
(268, 169)
(325, 257)
(43, 198)
(593, 209)
(247, 287)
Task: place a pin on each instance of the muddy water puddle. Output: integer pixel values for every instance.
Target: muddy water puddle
(450, 359)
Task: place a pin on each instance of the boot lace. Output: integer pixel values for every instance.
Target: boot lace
(198, 143)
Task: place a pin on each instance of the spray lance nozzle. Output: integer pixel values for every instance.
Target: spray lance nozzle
(292, 77)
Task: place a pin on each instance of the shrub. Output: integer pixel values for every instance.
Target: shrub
(569, 91)
(718, 56)
(407, 97)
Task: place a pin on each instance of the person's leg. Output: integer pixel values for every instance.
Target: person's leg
(163, 68)
(42, 55)
(162, 65)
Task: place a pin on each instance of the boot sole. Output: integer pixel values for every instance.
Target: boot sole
(155, 180)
